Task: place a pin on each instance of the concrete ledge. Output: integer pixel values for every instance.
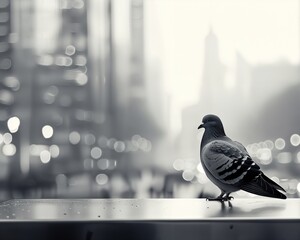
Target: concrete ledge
(253, 218)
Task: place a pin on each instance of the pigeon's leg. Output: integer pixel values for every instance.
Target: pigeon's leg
(219, 198)
(227, 197)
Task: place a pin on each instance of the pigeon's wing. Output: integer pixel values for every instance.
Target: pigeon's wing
(241, 147)
(229, 164)
(264, 177)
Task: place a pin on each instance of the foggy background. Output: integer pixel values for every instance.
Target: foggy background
(102, 98)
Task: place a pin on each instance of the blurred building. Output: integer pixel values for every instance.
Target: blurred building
(10, 100)
(61, 99)
(261, 85)
(83, 101)
(212, 97)
(212, 87)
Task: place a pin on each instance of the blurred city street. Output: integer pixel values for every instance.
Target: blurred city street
(102, 98)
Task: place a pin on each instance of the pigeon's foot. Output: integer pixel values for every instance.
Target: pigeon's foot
(221, 198)
(228, 198)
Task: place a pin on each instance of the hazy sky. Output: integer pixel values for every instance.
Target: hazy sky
(262, 31)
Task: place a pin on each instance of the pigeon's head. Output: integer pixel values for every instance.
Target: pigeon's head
(212, 122)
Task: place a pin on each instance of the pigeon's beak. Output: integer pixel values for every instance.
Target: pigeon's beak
(201, 126)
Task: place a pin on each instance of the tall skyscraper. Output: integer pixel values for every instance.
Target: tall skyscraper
(212, 87)
(211, 99)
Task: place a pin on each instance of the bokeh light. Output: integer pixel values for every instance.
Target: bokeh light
(178, 164)
(7, 138)
(9, 150)
(188, 175)
(54, 151)
(269, 144)
(103, 164)
(70, 50)
(279, 143)
(12, 82)
(102, 179)
(295, 140)
(45, 156)
(119, 146)
(81, 79)
(13, 124)
(264, 155)
(74, 137)
(96, 152)
(47, 131)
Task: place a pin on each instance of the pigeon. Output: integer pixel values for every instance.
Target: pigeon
(229, 166)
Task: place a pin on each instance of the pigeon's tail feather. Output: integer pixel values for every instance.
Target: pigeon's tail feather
(272, 183)
(262, 186)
